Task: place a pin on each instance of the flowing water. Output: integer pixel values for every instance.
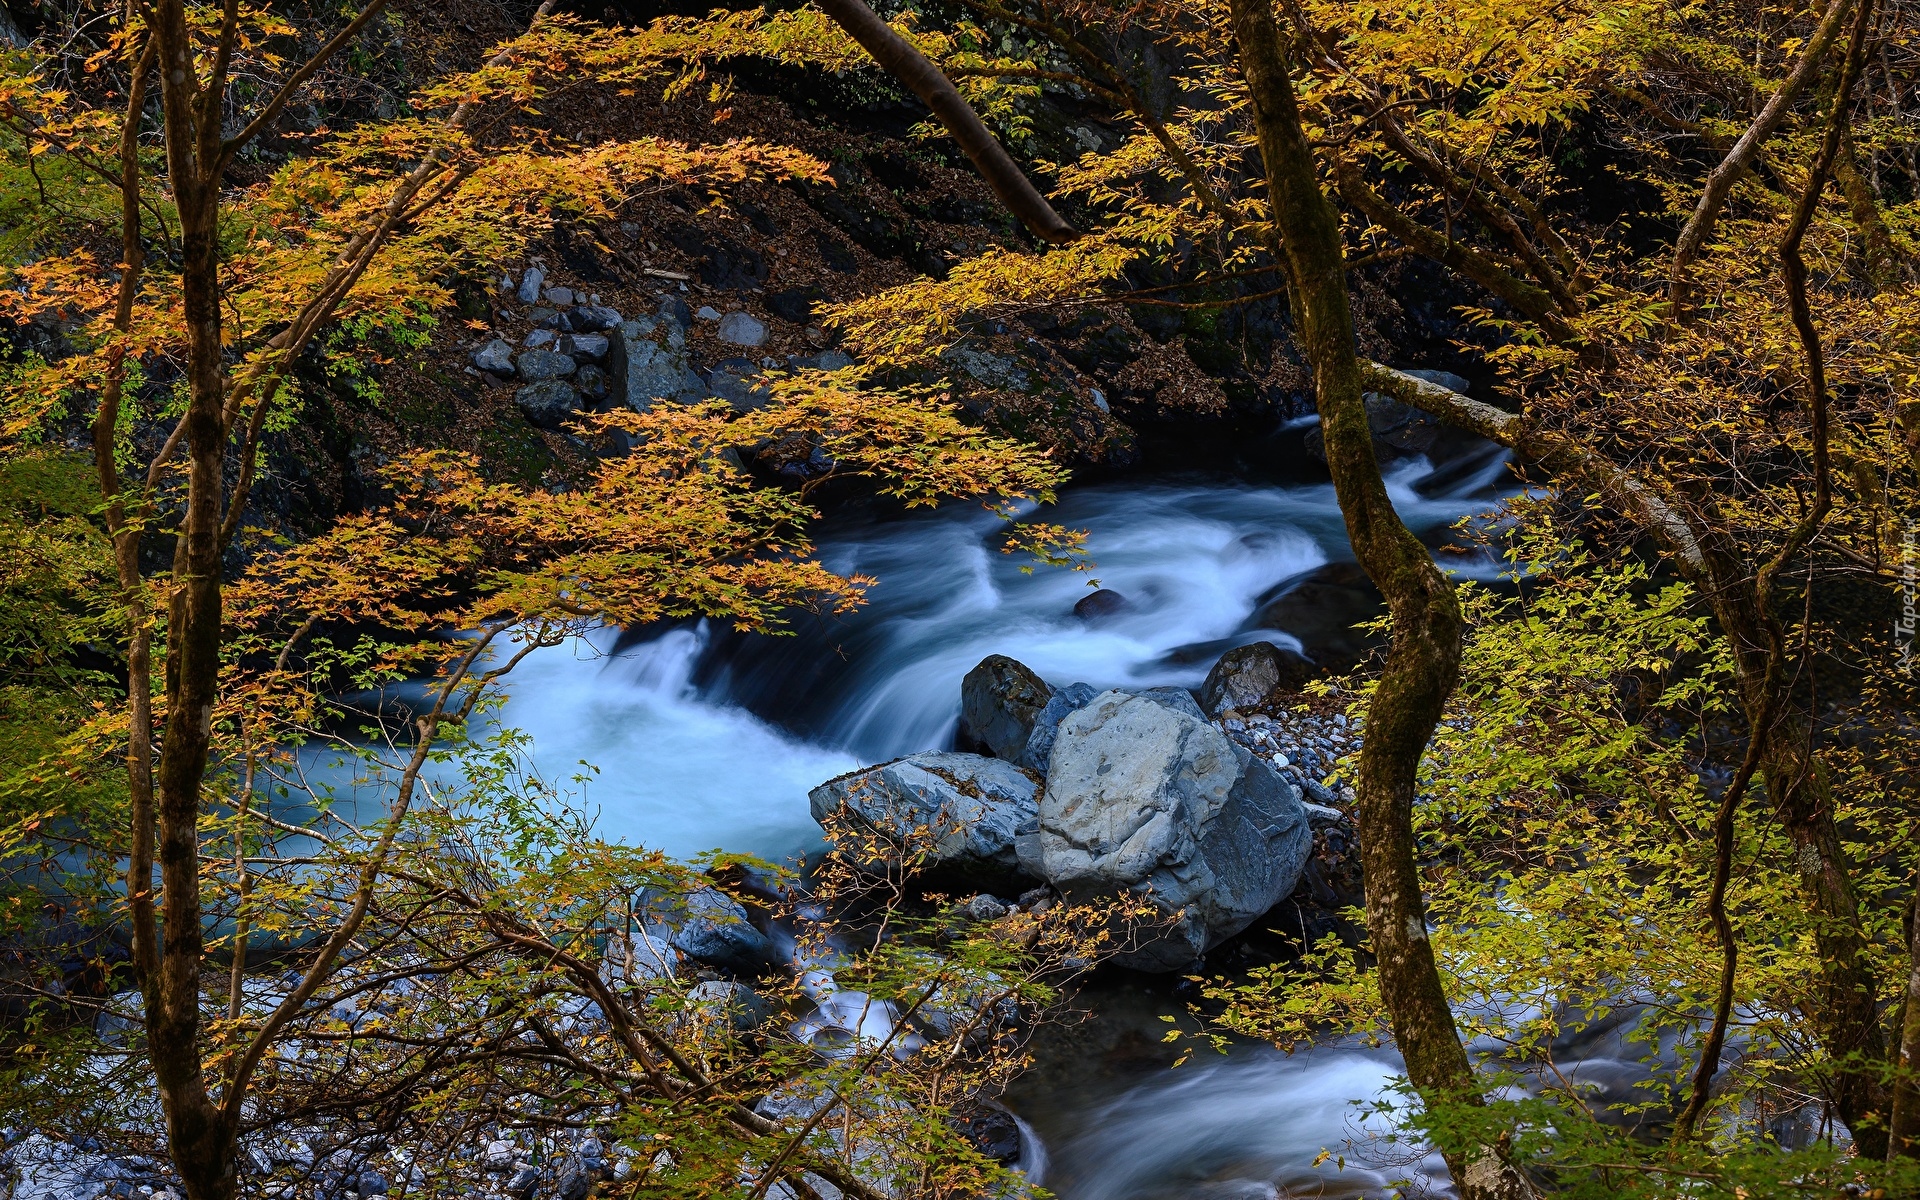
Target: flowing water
(703, 738)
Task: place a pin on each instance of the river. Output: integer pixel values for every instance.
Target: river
(704, 738)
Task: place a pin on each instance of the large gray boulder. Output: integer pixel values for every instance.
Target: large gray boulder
(743, 329)
(548, 403)
(999, 702)
(643, 959)
(539, 365)
(1257, 675)
(495, 357)
(593, 318)
(970, 807)
(1178, 699)
(1143, 797)
(740, 382)
(716, 1001)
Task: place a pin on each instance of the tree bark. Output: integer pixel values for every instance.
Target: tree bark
(1423, 662)
(898, 58)
(1903, 1128)
(1797, 786)
(199, 1142)
(1877, 254)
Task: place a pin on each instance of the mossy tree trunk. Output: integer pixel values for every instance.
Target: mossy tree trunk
(1423, 661)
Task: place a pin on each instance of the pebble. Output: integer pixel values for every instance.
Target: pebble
(1304, 748)
(560, 297)
(707, 312)
(530, 285)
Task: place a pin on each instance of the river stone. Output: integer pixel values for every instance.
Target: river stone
(742, 329)
(548, 402)
(1178, 699)
(536, 365)
(885, 1165)
(1401, 426)
(1446, 379)
(530, 285)
(734, 380)
(590, 381)
(972, 806)
(730, 1001)
(993, 370)
(999, 700)
(591, 347)
(1398, 429)
(1320, 610)
(1096, 606)
(496, 356)
(1252, 676)
(1144, 797)
(652, 960)
(832, 360)
(674, 309)
(712, 927)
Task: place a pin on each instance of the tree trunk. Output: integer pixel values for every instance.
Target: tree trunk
(1423, 662)
(898, 58)
(1903, 1129)
(1877, 255)
(199, 1138)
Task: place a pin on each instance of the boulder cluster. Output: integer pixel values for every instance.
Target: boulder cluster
(1193, 804)
(578, 354)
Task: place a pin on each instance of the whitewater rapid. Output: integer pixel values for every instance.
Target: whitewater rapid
(703, 738)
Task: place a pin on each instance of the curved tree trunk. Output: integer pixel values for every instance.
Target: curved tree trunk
(1423, 663)
(1798, 789)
